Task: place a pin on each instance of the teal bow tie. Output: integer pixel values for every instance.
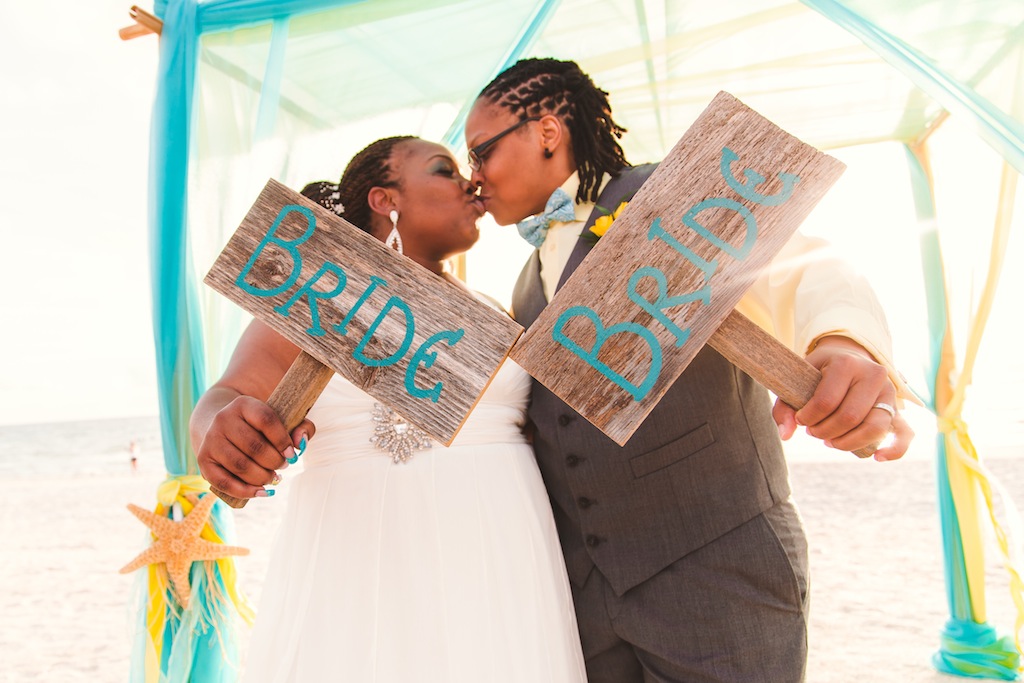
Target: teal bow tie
(560, 208)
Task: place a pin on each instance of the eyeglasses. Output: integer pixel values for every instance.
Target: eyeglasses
(475, 158)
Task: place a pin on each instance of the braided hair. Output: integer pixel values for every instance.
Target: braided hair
(534, 87)
(369, 168)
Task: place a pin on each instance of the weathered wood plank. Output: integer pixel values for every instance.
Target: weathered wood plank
(678, 259)
(420, 344)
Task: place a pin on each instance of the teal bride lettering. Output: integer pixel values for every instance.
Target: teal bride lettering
(663, 301)
(328, 282)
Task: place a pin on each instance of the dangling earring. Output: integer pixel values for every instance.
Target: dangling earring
(394, 240)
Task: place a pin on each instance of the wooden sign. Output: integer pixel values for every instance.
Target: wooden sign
(414, 341)
(649, 295)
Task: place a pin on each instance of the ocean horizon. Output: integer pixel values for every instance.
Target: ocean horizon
(96, 447)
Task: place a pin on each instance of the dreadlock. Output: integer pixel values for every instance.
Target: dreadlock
(534, 87)
(348, 197)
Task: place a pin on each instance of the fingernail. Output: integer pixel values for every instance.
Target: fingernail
(296, 451)
(263, 493)
(276, 480)
(828, 443)
(289, 455)
(782, 431)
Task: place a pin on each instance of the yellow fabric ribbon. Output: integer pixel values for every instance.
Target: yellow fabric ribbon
(967, 476)
(176, 489)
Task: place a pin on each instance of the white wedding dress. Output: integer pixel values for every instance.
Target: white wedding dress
(445, 567)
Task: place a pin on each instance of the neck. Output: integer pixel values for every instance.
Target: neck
(563, 175)
(435, 267)
(447, 275)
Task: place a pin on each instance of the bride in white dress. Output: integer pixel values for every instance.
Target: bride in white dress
(394, 565)
(445, 567)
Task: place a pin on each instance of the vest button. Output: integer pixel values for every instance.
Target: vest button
(564, 420)
(593, 541)
(572, 460)
(584, 502)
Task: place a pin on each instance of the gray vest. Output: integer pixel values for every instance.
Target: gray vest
(707, 459)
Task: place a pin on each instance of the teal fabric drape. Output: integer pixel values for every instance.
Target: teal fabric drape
(179, 347)
(198, 643)
(535, 23)
(969, 646)
(957, 95)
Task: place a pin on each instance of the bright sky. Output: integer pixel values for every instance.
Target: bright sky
(78, 344)
(76, 108)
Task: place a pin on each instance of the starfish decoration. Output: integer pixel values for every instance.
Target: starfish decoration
(178, 545)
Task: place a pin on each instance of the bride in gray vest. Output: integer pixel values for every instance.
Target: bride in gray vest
(687, 557)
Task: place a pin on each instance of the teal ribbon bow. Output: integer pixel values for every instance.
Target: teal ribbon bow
(560, 208)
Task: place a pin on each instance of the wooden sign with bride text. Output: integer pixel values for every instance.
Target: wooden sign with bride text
(413, 340)
(673, 266)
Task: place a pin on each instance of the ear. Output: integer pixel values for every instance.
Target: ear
(552, 132)
(380, 200)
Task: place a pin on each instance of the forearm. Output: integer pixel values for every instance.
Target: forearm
(810, 294)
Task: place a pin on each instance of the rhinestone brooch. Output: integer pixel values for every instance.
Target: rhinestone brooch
(395, 436)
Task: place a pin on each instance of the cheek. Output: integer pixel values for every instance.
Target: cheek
(504, 196)
(503, 178)
(512, 195)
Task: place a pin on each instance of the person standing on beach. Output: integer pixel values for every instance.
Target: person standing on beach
(397, 559)
(687, 558)
(133, 451)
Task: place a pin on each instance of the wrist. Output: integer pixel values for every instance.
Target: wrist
(839, 342)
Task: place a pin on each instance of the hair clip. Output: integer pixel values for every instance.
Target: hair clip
(335, 201)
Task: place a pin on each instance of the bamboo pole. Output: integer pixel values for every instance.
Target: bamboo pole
(145, 23)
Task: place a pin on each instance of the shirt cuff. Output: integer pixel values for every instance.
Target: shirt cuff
(867, 331)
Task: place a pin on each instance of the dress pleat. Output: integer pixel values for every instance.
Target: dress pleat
(445, 568)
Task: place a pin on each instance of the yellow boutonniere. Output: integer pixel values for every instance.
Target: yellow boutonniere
(604, 222)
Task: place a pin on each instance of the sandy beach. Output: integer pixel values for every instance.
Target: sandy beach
(878, 589)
